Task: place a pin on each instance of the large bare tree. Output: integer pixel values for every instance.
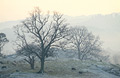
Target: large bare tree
(46, 30)
(84, 42)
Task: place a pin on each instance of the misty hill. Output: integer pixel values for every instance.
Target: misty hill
(8, 24)
(98, 21)
(106, 26)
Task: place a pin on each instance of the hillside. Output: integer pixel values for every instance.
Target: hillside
(60, 68)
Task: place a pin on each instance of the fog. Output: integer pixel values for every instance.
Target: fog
(107, 27)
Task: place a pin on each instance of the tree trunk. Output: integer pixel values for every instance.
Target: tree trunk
(79, 54)
(32, 62)
(0, 51)
(83, 57)
(42, 65)
(32, 65)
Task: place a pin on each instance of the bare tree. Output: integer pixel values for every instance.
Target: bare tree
(3, 41)
(27, 51)
(84, 42)
(46, 31)
(25, 48)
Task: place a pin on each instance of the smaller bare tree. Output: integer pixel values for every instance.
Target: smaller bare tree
(25, 48)
(28, 52)
(84, 42)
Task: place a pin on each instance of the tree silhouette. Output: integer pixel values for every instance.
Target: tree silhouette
(84, 42)
(3, 41)
(45, 30)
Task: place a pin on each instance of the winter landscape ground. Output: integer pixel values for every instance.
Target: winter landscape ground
(59, 68)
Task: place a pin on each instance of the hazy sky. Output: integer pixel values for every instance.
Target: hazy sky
(19, 9)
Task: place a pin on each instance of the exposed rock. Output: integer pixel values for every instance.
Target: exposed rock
(80, 72)
(73, 68)
(3, 67)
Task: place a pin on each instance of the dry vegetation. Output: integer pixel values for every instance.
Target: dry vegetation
(57, 68)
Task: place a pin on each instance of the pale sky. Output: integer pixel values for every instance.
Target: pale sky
(12, 10)
(19, 9)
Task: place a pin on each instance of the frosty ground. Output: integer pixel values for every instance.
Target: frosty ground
(61, 68)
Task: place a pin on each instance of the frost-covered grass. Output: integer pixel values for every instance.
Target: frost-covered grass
(60, 68)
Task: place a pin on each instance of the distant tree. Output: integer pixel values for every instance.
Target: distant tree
(46, 31)
(84, 42)
(3, 41)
